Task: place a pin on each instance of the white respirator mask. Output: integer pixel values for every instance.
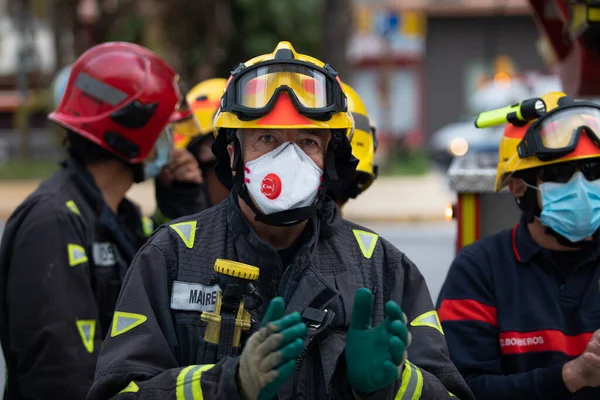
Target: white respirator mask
(283, 179)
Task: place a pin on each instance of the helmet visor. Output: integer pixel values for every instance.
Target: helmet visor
(560, 130)
(308, 85)
(314, 91)
(557, 134)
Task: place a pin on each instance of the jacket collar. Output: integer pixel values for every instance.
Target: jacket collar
(125, 225)
(523, 246)
(88, 187)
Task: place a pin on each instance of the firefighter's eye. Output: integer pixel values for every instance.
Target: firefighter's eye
(267, 138)
(308, 142)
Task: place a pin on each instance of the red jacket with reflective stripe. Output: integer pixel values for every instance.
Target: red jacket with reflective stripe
(514, 314)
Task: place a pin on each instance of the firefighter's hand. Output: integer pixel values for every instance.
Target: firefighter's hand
(585, 369)
(269, 356)
(182, 167)
(375, 356)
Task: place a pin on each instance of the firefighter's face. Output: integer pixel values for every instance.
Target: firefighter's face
(257, 142)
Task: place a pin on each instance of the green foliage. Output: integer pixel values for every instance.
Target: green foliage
(126, 29)
(29, 169)
(414, 163)
(266, 22)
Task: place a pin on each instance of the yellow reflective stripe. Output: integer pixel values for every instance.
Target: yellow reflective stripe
(412, 383)
(73, 207)
(77, 254)
(366, 242)
(188, 382)
(180, 380)
(451, 394)
(197, 388)
(87, 331)
(131, 388)
(147, 226)
(125, 321)
(406, 374)
(186, 231)
(430, 319)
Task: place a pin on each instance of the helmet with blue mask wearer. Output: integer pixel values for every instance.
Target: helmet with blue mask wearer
(571, 209)
(163, 147)
(547, 153)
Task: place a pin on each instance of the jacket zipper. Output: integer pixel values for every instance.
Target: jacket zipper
(283, 280)
(299, 362)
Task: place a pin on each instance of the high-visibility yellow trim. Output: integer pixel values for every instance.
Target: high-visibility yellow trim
(73, 207)
(366, 241)
(87, 331)
(77, 254)
(131, 388)
(147, 226)
(406, 375)
(468, 215)
(593, 14)
(429, 319)
(186, 231)
(159, 217)
(188, 382)
(124, 322)
(411, 387)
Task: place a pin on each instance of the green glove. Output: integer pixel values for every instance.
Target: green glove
(375, 356)
(269, 356)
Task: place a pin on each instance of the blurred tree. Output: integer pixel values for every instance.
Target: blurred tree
(214, 36)
(337, 27)
(205, 38)
(199, 31)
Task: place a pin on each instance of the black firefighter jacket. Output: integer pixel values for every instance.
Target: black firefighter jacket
(63, 258)
(156, 349)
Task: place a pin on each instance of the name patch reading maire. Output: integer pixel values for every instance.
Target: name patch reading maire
(190, 296)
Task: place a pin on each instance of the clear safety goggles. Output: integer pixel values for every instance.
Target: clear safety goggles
(162, 146)
(557, 133)
(253, 91)
(166, 136)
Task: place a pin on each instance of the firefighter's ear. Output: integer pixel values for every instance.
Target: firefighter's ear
(517, 187)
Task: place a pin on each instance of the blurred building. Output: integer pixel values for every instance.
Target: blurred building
(431, 55)
(387, 54)
(26, 47)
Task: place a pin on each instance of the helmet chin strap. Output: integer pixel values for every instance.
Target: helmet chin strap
(287, 217)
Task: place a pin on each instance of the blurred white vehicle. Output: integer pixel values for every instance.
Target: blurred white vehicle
(461, 137)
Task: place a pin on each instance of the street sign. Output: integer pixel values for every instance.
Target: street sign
(387, 23)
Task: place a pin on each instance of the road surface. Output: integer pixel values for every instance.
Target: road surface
(430, 246)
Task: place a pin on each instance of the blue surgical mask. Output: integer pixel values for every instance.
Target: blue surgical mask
(163, 148)
(571, 209)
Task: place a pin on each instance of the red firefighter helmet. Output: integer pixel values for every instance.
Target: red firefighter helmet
(119, 96)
